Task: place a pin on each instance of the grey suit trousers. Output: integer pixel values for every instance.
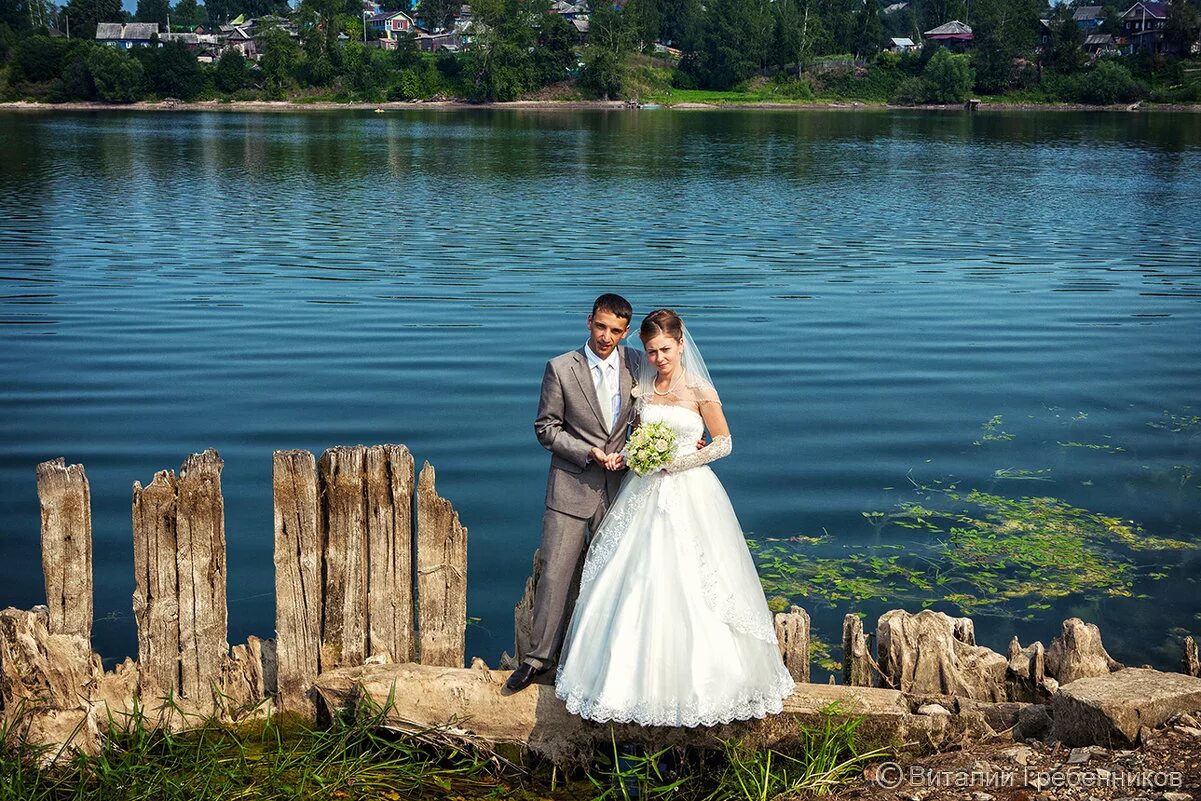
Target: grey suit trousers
(564, 543)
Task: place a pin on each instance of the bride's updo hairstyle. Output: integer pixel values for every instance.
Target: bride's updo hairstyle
(661, 321)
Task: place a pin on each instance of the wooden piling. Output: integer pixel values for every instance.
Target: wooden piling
(441, 577)
(155, 597)
(298, 587)
(856, 668)
(65, 500)
(344, 623)
(203, 615)
(792, 633)
(389, 488)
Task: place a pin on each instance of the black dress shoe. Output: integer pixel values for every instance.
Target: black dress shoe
(520, 679)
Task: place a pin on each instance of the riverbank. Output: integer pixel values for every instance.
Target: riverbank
(569, 105)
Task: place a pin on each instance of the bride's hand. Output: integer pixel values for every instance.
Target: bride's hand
(700, 443)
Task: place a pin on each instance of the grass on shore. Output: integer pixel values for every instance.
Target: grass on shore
(356, 758)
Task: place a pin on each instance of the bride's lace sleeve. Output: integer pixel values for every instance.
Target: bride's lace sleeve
(719, 447)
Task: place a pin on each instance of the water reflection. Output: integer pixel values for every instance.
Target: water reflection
(872, 287)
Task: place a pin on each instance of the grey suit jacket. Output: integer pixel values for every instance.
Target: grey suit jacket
(569, 425)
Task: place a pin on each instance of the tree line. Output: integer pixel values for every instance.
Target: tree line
(520, 47)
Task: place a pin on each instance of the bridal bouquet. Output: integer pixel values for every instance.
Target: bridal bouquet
(650, 447)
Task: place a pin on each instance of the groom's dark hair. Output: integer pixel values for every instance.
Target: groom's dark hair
(614, 304)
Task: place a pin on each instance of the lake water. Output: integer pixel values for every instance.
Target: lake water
(871, 289)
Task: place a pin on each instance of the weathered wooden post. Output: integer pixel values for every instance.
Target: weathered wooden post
(1192, 664)
(441, 577)
(523, 614)
(344, 613)
(792, 633)
(156, 590)
(179, 573)
(298, 589)
(65, 500)
(389, 495)
(203, 616)
(856, 667)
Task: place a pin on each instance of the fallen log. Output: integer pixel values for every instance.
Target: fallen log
(472, 703)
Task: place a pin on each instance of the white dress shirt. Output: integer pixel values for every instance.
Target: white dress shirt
(609, 365)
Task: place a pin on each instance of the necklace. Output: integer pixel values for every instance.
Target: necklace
(670, 386)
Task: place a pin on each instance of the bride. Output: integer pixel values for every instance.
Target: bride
(671, 627)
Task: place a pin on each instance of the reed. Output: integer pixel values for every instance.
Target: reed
(284, 757)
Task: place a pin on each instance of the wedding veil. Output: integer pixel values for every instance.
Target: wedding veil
(694, 386)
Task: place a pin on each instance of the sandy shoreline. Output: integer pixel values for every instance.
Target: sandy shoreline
(561, 105)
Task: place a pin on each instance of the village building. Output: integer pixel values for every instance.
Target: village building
(1089, 18)
(389, 26)
(128, 35)
(953, 35)
(902, 45)
(1143, 25)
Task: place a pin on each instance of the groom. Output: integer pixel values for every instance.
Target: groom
(586, 405)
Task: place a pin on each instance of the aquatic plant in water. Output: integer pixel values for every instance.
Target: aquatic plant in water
(983, 552)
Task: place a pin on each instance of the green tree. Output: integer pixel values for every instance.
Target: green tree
(800, 32)
(502, 64)
(645, 20)
(152, 11)
(731, 43)
(84, 14)
(555, 53)
(230, 74)
(1003, 30)
(25, 15)
(438, 14)
(1181, 27)
(171, 70)
(680, 22)
(117, 76)
(1109, 83)
(39, 58)
(1065, 52)
(77, 77)
(949, 77)
(187, 14)
(279, 60)
(869, 30)
(359, 70)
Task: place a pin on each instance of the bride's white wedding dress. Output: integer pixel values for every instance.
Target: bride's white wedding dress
(671, 626)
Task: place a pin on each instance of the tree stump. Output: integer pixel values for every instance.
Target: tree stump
(1192, 664)
(792, 633)
(1078, 653)
(65, 499)
(856, 667)
(921, 654)
(523, 614)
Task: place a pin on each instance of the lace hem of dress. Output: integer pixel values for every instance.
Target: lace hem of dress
(752, 704)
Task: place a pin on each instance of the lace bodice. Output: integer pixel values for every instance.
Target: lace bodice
(686, 423)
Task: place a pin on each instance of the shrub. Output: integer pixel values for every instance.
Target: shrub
(118, 77)
(230, 75)
(949, 76)
(911, 92)
(1109, 83)
(602, 73)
